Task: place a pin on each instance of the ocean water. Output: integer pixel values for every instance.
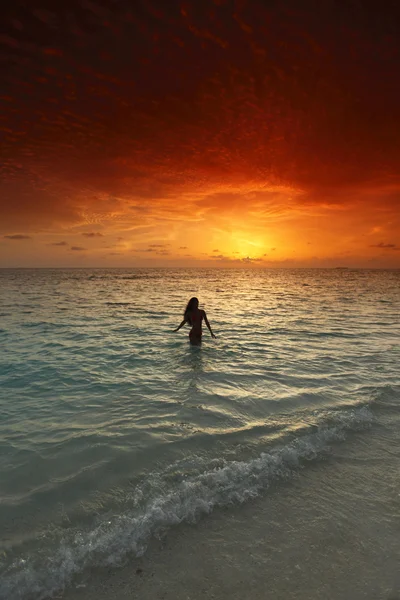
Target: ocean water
(114, 431)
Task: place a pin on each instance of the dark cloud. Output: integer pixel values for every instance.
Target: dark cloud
(77, 248)
(385, 246)
(58, 244)
(18, 236)
(277, 90)
(248, 259)
(93, 234)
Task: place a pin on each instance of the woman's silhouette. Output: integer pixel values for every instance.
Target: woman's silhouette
(194, 317)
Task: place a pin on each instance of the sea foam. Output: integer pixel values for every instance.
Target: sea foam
(111, 541)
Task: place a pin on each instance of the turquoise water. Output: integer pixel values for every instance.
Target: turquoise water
(114, 429)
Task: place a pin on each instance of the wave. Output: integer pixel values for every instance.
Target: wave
(192, 496)
(119, 303)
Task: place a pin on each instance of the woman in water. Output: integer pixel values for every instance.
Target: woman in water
(194, 317)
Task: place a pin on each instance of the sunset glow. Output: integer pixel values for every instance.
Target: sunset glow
(214, 133)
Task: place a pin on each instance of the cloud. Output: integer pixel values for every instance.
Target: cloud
(78, 248)
(156, 248)
(58, 244)
(158, 145)
(230, 259)
(289, 116)
(33, 201)
(385, 246)
(183, 247)
(248, 259)
(18, 237)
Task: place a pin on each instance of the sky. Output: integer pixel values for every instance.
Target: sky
(230, 133)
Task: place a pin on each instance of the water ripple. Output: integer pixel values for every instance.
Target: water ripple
(97, 393)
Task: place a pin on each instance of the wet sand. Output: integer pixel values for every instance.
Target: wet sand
(332, 533)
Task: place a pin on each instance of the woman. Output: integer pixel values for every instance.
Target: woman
(194, 317)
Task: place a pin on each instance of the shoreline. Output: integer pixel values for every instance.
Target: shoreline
(309, 538)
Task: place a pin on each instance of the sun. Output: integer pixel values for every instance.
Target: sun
(238, 244)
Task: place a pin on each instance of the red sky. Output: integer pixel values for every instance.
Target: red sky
(212, 132)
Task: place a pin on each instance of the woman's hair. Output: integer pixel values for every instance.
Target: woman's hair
(190, 306)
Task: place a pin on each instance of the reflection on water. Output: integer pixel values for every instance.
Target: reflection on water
(195, 361)
(188, 364)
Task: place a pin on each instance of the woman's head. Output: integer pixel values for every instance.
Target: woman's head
(192, 305)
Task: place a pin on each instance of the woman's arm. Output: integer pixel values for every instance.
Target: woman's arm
(208, 324)
(181, 325)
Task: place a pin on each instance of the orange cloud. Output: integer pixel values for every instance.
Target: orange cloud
(204, 126)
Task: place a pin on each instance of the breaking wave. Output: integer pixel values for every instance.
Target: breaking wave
(163, 506)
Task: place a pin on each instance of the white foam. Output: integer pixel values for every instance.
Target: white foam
(232, 482)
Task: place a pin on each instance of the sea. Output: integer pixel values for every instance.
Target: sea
(263, 464)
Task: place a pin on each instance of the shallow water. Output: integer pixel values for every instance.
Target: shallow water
(114, 429)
